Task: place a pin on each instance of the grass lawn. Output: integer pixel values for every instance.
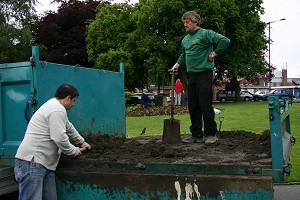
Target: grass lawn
(247, 116)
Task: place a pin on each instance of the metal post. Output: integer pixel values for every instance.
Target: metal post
(281, 138)
(269, 45)
(269, 26)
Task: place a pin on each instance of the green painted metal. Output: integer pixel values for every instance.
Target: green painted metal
(15, 91)
(203, 168)
(122, 180)
(281, 139)
(25, 86)
(121, 185)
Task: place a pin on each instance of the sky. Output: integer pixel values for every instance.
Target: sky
(285, 35)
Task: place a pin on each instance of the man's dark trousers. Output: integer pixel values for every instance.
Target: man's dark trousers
(200, 104)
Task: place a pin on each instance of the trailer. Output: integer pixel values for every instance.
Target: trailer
(186, 179)
(25, 86)
(100, 109)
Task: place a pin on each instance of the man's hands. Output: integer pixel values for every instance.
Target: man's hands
(84, 146)
(212, 56)
(77, 152)
(175, 68)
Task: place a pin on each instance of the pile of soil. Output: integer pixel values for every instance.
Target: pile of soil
(235, 147)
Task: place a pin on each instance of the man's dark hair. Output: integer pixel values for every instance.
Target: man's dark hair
(65, 90)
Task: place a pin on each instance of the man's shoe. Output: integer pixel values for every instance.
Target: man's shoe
(192, 139)
(211, 139)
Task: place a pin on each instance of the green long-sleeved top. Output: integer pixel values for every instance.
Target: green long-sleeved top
(197, 46)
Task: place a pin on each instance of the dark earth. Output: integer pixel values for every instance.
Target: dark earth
(234, 147)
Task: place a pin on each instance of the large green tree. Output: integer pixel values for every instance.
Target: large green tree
(16, 18)
(151, 39)
(159, 31)
(135, 36)
(110, 42)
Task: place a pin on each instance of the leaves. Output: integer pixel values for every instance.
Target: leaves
(16, 18)
(63, 33)
(146, 37)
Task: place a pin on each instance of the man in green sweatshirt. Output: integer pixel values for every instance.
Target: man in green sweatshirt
(198, 54)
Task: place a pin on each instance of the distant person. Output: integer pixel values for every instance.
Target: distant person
(178, 92)
(145, 100)
(200, 47)
(48, 134)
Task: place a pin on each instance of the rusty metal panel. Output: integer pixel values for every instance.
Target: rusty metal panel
(122, 185)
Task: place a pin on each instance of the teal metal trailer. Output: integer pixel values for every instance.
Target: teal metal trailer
(211, 181)
(25, 86)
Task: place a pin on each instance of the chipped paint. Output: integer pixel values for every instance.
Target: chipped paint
(178, 189)
(188, 191)
(197, 191)
(222, 195)
(92, 120)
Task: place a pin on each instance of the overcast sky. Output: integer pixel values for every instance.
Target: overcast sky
(285, 35)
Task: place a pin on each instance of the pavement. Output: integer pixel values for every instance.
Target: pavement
(289, 191)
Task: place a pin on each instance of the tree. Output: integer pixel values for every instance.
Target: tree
(159, 31)
(63, 33)
(121, 27)
(154, 31)
(16, 18)
(110, 42)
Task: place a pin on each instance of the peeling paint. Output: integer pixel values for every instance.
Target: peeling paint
(222, 195)
(92, 120)
(178, 189)
(188, 191)
(197, 191)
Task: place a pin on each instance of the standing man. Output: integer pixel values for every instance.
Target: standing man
(198, 54)
(145, 100)
(48, 134)
(178, 91)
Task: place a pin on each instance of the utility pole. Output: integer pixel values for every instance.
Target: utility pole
(269, 26)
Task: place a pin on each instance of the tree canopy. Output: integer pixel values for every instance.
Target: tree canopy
(146, 37)
(16, 18)
(62, 34)
(150, 37)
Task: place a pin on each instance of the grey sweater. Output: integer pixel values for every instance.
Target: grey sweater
(49, 133)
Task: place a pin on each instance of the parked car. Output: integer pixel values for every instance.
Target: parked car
(260, 95)
(133, 100)
(225, 95)
(246, 96)
(281, 93)
(257, 97)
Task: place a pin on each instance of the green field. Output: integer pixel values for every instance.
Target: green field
(247, 116)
